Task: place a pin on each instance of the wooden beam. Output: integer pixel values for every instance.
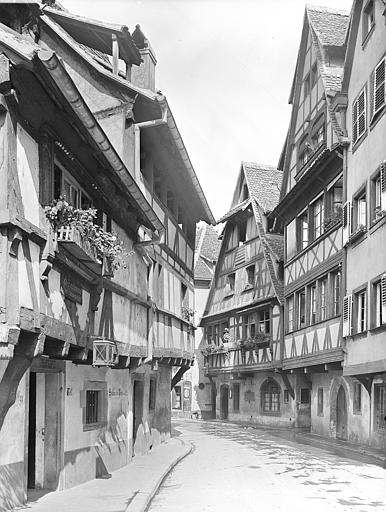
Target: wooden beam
(366, 381)
(288, 384)
(178, 376)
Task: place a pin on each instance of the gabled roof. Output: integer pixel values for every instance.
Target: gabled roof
(263, 182)
(97, 34)
(330, 25)
(206, 252)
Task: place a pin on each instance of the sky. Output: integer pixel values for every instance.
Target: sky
(226, 68)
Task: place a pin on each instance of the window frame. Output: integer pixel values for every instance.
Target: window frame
(374, 89)
(100, 387)
(361, 310)
(267, 397)
(368, 28)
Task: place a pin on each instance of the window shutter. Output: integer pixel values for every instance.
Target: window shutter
(362, 113)
(383, 298)
(371, 103)
(346, 222)
(383, 186)
(355, 122)
(347, 315)
(379, 87)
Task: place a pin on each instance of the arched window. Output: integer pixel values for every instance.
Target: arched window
(270, 396)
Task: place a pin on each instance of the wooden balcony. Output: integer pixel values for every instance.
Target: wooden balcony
(239, 360)
(71, 238)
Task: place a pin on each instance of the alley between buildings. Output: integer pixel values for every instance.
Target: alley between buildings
(246, 469)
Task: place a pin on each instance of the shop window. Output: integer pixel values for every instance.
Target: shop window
(305, 396)
(236, 397)
(94, 405)
(270, 396)
(380, 407)
(320, 401)
(152, 394)
(177, 397)
(357, 402)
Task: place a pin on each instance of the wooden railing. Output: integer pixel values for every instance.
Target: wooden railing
(239, 358)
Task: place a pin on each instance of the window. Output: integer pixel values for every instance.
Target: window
(323, 299)
(380, 406)
(270, 396)
(230, 283)
(336, 279)
(209, 337)
(334, 203)
(320, 401)
(305, 155)
(177, 398)
(357, 403)
(378, 194)
(152, 394)
(307, 86)
(312, 304)
(264, 321)
(377, 197)
(301, 304)
(368, 18)
(242, 232)
(360, 206)
(377, 84)
(302, 228)
(236, 397)
(359, 116)
(64, 185)
(94, 405)
(379, 294)
(314, 75)
(305, 396)
(286, 396)
(318, 217)
(250, 276)
(318, 136)
(361, 310)
(290, 309)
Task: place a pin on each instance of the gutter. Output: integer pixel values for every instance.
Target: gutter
(67, 87)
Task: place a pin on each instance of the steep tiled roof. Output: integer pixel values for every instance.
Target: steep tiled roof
(206, 252)
(330, 25)
(238, 208)
(264, 182)
(276, 244)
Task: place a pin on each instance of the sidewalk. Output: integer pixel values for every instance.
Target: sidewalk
(363, 453)
(130, 489)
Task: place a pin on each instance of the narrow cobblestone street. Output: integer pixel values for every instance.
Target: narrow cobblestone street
(234, 468)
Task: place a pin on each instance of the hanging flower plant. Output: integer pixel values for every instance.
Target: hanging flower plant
(106, 245)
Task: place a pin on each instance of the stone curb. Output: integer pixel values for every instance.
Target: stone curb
(142, 500)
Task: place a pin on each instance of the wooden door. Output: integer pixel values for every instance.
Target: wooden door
(137, 406)
(341, 414)
(224, 402)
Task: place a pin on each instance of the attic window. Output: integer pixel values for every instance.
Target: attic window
(242, 232)
(368, 19)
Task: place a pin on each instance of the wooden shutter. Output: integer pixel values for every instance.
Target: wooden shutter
(347, 213)
(355, 122)
(383, 298)
(383, 186)
(379, 87)
(347, 315)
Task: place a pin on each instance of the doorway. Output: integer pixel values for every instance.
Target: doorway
(224, 402)
(137, 406)
(341, 414)
(44, 431)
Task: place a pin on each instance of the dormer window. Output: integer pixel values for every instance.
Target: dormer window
(368, 18)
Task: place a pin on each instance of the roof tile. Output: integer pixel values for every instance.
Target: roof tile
(330, 25)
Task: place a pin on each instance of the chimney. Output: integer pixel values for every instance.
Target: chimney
(144, 74)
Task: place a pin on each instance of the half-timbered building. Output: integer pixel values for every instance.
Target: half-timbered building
(364, 230)
(310, 214)
(242, 318)
(91, 324)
